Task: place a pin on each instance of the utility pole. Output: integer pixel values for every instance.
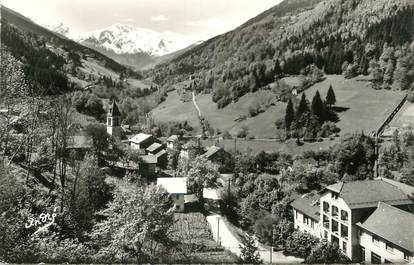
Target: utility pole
(228, 188)
(271, 253)
(218, 230)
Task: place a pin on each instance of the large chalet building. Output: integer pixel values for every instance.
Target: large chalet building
(370, 220)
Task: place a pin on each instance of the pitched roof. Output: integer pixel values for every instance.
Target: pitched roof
(212, 150)
(309, 205)
(173, 185)
(148, 159)
(161, 153)
(172, 138)
(392, 224)
(113, 109)
(408, 190)
(367, 193)
(139, 138)
(154, 147)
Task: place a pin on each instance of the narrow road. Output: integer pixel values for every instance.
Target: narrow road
(223, 235)
(195, 104)
(229, 241)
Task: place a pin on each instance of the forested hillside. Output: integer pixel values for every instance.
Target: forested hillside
(352, 37)
(51, 62)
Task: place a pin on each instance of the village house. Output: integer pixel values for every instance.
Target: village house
(141, 142)
(387, 236)
(344, 206)
(162, 158)
(306, 212)
(177, 188)
(154, 148)
(148, 165)
(219, 157)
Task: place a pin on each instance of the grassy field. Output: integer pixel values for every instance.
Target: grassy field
(362, 110)
(367, 107)
(256, 146)
(193, 230)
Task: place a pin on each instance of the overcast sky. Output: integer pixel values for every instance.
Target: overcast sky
(200, 19)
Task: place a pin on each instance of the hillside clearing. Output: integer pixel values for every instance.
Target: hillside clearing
(363, 109)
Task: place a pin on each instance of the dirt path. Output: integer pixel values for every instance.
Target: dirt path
(195, 104)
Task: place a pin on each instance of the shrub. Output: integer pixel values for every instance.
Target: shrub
(226, 135)
(326, 253)
(243, 132)
(300, 244)
(263, 228)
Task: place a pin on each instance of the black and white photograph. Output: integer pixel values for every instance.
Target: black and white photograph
(207, 132)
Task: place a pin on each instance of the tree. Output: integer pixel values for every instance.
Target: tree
(13, 89)
(303, 106)
(202, 174)
(330, 97)
(300, 243)
(290, 115)
(100, 139)
(318, 108)
(355, 156)
(89, 194)
(136, 225)
(281, 232)
(326, 253)
(401, 75)
(249, 250)
(263, 228)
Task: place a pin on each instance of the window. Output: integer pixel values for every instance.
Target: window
(325, 221)
(178, 196)
(296, 214)
(362, 254)
(375, 259)
(389, 247)
(344, 215)
(335, 240)
(334, 195)
(375, 240)
(406, 256)
(344, 231)
(334, 211)
(344, 247)
(326, 207)
(305, 220)
(325, 234)
(335, 227)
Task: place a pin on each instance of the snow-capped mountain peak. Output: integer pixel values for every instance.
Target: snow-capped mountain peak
(127, 39)
(62, 29)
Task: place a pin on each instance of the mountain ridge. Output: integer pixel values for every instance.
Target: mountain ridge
(334, 35)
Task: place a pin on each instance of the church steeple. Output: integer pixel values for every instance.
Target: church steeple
(113, 124)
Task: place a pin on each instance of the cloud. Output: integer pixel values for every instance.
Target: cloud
(159, 18)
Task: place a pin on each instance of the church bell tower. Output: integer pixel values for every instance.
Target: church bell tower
(113, 124)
